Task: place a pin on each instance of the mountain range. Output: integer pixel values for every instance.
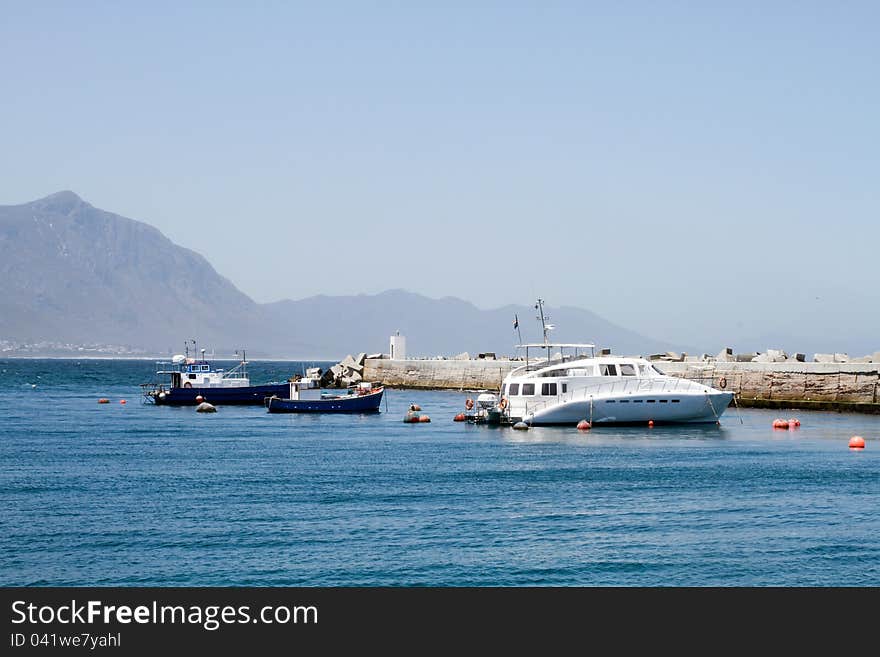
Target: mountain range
(74, 274)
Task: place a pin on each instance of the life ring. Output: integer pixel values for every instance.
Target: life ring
(468, 403)
(187, 385)
(503, 403)
(722, 383)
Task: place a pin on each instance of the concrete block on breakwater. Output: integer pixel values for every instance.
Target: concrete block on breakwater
(440, 374)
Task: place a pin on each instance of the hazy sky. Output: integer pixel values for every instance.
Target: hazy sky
(690, 170)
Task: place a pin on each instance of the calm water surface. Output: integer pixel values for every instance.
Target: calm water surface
(142, 495)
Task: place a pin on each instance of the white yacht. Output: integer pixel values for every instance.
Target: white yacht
(565, 389)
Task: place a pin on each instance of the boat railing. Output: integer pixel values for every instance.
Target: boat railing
(237, 372)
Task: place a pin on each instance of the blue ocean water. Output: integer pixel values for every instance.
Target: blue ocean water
(142, 495)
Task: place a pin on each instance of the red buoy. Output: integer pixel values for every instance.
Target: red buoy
(103, 400)
(121, 401)
(461, 417)
(424, 418)
(793, 423)
(583, 425)
(779, 423)
(650, 423)
(857, 442)
(199, 399)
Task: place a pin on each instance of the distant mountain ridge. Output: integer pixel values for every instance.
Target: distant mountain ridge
(447, 326)
(76, 274)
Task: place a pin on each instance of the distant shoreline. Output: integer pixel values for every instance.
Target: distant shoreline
(168, 358)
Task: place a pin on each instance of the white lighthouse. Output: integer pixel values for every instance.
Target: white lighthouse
(398, 346)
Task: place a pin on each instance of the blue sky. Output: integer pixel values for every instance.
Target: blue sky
(700, 172)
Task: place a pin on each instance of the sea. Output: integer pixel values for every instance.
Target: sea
(138, 495)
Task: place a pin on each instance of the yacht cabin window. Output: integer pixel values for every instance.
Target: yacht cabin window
(528, 389)
(627, 369)
(608, 369)
(548, 389)
(514, 389)
(206, 368)
(589, 370)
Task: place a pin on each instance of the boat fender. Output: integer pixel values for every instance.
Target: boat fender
(503, 403)
(722, 383)
(469, 403)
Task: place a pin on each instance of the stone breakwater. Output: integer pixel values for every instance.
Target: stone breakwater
(789, 384)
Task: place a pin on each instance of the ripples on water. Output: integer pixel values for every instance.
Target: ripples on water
(141, 495)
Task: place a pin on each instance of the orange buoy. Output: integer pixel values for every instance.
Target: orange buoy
(411, 417)
(121, 401)
(424, 418)
(461, 417)
(103, 400)
(199, 399)
(857, 442)
(583, 425)
(650, 423)
(793, 423)
(779, 423)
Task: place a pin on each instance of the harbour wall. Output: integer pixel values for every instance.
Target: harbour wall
(851, 387)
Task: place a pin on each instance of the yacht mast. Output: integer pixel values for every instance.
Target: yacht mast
(545, 327)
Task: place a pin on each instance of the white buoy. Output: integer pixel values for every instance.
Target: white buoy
(521, 426)
(205, 407)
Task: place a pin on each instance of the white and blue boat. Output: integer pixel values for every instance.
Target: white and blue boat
(191, 381)
(565, 388)
(305, 396)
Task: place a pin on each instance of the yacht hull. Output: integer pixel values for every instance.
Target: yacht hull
(683, 408)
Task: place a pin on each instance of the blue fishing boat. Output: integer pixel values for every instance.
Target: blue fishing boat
(305, 396)
(191, 381)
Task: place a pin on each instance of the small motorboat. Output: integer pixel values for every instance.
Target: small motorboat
(307, 397)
